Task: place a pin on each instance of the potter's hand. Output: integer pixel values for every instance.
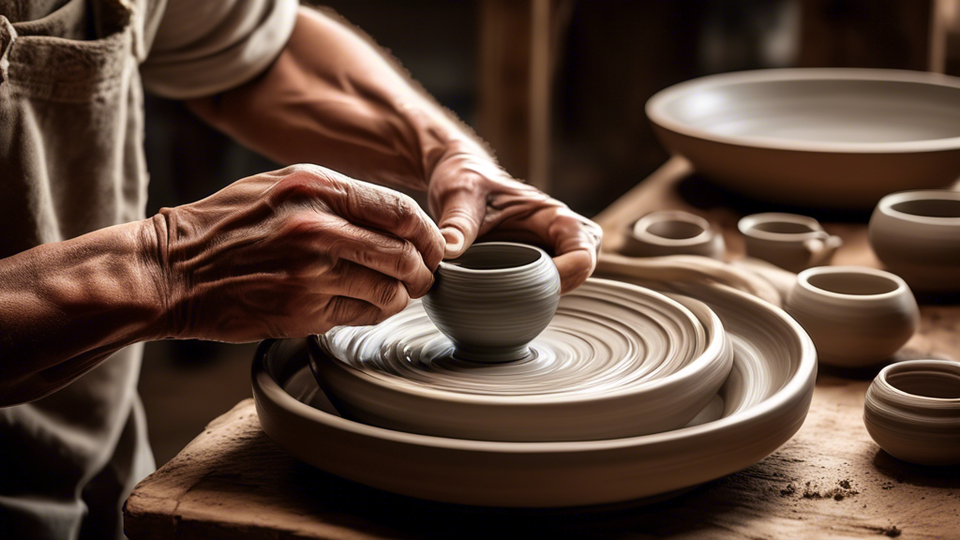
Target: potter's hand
(472, 197)
(293, 252)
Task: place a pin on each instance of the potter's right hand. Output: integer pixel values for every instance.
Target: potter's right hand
(291, 253)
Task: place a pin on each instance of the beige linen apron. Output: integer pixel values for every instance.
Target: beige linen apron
(71, 161)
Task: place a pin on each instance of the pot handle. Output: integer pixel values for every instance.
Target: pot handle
(822, 248)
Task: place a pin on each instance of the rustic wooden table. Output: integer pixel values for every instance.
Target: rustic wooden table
(829, 481)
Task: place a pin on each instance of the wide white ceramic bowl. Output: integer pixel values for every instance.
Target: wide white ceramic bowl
(816, 137)
(617, 360)
(764, 402)
(912, 410)
(917, 236)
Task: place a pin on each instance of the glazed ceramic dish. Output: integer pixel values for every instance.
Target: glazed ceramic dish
(816, 137)
(611, 351)
(790, 241)
(672, 232)
(917, 236)
(494, 299)
(856, 316)
(762, 404)
(912, 410)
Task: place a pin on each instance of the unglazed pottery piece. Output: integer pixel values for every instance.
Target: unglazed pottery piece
(912, 410)
(672, 232)
(494, 299)
(856, 316)
(917, 236)
(766, 398)
(842, 138)
(612, 351)
(790, 241)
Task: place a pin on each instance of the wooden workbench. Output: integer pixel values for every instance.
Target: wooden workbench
(829, 481)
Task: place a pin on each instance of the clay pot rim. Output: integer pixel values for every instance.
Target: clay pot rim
(717, 348)
(910, 366)
(803, 281)
(747, 227)
(448, 267)
(640, 228)
(656, 106)
(886, 206)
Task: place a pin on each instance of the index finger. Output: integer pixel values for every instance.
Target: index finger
(391, 212)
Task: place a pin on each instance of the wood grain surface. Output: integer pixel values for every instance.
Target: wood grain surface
(829, 481)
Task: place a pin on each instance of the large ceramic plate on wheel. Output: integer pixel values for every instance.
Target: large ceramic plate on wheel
(816, 137)
(760, 406)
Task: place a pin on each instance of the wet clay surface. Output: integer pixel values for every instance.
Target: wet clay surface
(830, 481)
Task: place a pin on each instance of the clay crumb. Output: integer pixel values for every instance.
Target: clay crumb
(892, 531)
(843, 490)
(788, 491)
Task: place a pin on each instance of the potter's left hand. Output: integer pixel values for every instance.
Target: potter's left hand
(472, 197)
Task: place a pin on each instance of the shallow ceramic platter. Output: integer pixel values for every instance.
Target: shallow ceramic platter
(815, 137)
(612, 349)
(760, 406)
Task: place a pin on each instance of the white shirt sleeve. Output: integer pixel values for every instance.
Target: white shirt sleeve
(203, 47)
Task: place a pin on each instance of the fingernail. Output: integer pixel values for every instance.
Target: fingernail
(454, 239)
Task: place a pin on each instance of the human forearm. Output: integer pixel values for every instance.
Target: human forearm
(333, 98)
(66, 306)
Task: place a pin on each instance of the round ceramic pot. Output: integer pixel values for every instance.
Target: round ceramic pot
(912, 410)
(790, 241)
(493, 300)
(917, 236)
(856, 316)
(672, 233)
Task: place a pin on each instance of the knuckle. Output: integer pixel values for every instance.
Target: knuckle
(386, 291)
(302, 181)
(407, 260)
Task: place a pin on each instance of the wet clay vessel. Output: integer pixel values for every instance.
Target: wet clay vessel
(917, 236)
(494, 299)
(912, 410)
(790, 241)
(856, 316)
(672, 232)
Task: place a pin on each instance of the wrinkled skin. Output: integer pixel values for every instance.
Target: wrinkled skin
(473, 198)
(294, 252)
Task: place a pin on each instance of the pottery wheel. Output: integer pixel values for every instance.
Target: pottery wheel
(615, 361)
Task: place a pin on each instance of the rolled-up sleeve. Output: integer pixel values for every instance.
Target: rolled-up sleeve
(203, 47)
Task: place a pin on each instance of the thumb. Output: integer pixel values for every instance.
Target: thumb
(461, 214)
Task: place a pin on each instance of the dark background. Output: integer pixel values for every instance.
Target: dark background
(609, 57)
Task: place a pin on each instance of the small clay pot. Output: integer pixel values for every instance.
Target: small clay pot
(493, 300)
(790, 241)
(917, 236)
(912, 410)
(856, 316)
(672, 233)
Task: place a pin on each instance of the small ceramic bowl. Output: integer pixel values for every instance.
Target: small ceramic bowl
(912, 410)
(790, 241)
(917, 236)
(672, 232)
(494, 299)
(856, 316)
